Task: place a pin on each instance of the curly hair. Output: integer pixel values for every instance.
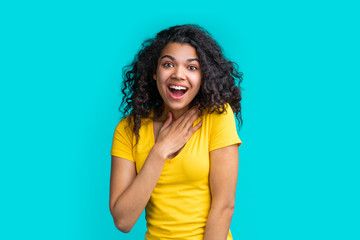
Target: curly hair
(220, 82)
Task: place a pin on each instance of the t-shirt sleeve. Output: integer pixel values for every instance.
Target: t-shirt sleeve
(223, 130)
(122, 144)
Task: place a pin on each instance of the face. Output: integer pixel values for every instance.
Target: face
(178, 76)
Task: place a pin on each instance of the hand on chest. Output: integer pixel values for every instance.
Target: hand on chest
(191, 162)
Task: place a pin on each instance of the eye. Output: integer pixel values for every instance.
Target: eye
(168, 64)
(192, 68)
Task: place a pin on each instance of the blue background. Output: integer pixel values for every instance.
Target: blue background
(60, 71)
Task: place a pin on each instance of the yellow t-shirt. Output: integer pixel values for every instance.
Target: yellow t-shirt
(180, 203)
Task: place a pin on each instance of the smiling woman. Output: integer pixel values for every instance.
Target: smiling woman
(178, 77)
(175, 154)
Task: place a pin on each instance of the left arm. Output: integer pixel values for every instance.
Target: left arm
(223, 177)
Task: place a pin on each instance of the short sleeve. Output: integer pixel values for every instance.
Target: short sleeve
(223, 129)
(122, 145)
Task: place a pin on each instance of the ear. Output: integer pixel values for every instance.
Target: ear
(154, 76)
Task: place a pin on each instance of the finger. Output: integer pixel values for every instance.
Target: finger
(188, 115)
(194, 129)
(188, 123)
(168, 121)
(188, 112)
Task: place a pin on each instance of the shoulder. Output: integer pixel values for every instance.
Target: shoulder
(126, 126)
(221, 126)
(219, 116)
(124, 139)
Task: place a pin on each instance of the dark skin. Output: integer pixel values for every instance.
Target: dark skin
(131, 191)
(159, 123)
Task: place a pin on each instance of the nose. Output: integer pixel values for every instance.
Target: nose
(178, 73)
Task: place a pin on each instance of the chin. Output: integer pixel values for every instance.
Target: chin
(177, 107)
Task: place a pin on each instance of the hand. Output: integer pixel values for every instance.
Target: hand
(173, 135)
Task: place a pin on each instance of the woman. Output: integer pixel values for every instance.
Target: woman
(176, 152)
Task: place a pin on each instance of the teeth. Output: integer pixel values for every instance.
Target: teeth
(178, 87)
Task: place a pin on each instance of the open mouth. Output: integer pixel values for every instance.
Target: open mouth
(177, 91)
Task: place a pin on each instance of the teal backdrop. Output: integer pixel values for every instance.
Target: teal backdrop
(60, 71)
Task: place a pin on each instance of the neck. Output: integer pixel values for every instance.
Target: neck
(176, 113)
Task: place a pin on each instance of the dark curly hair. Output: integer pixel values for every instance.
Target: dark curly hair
(220, 78)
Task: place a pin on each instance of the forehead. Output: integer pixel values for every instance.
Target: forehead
(180, 51)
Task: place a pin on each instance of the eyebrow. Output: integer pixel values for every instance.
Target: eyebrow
(173, 59)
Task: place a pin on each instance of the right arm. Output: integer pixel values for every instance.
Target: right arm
(130, 192)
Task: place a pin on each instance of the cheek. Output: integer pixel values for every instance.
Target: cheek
(160, 85)
(161, 76)
(196, 83)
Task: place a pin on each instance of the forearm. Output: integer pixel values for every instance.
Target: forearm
(130, 204)
(218, 223)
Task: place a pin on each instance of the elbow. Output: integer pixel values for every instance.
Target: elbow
(123, 225)
(230, 207)
(225, 207)
(228, 211)
(123, 228)
(231, 204)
